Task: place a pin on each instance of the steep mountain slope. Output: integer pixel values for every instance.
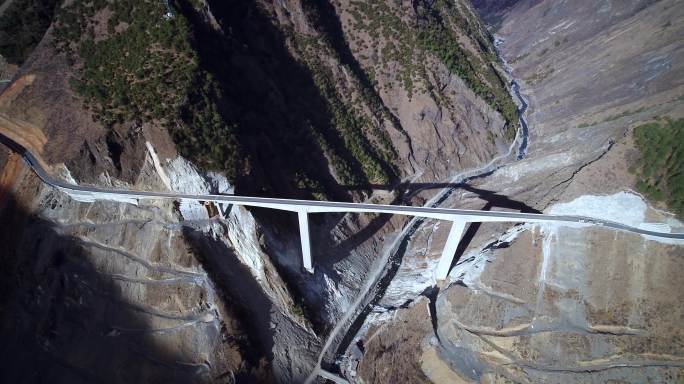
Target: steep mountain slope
(90, 295)
(312, 80)
(494, 11)
(592, 73)
(389, 102)
(339, 100)
(22, 26)
(550, 304)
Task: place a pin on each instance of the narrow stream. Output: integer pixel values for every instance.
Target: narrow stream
(524, 133)
(394, 262)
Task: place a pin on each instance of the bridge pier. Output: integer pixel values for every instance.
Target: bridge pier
(224, 209)
(304, 239)
(457, 227)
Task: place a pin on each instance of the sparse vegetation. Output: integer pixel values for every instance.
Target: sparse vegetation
(478, 73)
(22, 26)
(438, 40)
(351, 130)
(517, 59)
(137, 65)
(625, 113)
(660, 170)
(375, 160)
(540, 76)
(436, 25)
(397, 43)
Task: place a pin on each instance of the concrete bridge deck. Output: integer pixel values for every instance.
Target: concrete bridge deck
(458, 217)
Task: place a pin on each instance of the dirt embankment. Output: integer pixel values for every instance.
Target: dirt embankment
(27, 135)
(12, 169)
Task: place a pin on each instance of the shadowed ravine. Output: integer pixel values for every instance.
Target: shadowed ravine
(64, 319)
(380, 280)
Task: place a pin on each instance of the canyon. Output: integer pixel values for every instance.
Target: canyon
(343, 101)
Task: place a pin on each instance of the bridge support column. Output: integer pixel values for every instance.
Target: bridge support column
(304, 239)
(224, 209)
(454, 238)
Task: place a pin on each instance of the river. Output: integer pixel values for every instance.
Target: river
(390, 261)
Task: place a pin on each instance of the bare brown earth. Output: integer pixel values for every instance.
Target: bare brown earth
(607, 306)
(386, 351)
(24, 133)
(12, 169)
(13, 89)
(108, 292)
(607, 297)
(595, 311)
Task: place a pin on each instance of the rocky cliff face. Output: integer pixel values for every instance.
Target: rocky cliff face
(347, 85)
(543, 304)
(111, 292)
(387, 102)
(494, 11)
(338, 100)
(565, 304)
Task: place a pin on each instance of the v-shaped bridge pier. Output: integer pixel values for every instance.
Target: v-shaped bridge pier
(457, 227)
(458, 217)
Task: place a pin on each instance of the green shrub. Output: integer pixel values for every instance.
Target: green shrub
(22, 26)
(660, 170)
(145, 69)
(436, 38)
(435, 25)
(375, 157)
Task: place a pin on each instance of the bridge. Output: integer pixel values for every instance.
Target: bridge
(459, 218)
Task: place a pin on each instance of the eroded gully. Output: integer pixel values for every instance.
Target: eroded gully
(349, 325)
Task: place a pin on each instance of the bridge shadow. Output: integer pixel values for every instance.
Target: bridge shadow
(281, 114)
(492, 200)
(405, 191)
